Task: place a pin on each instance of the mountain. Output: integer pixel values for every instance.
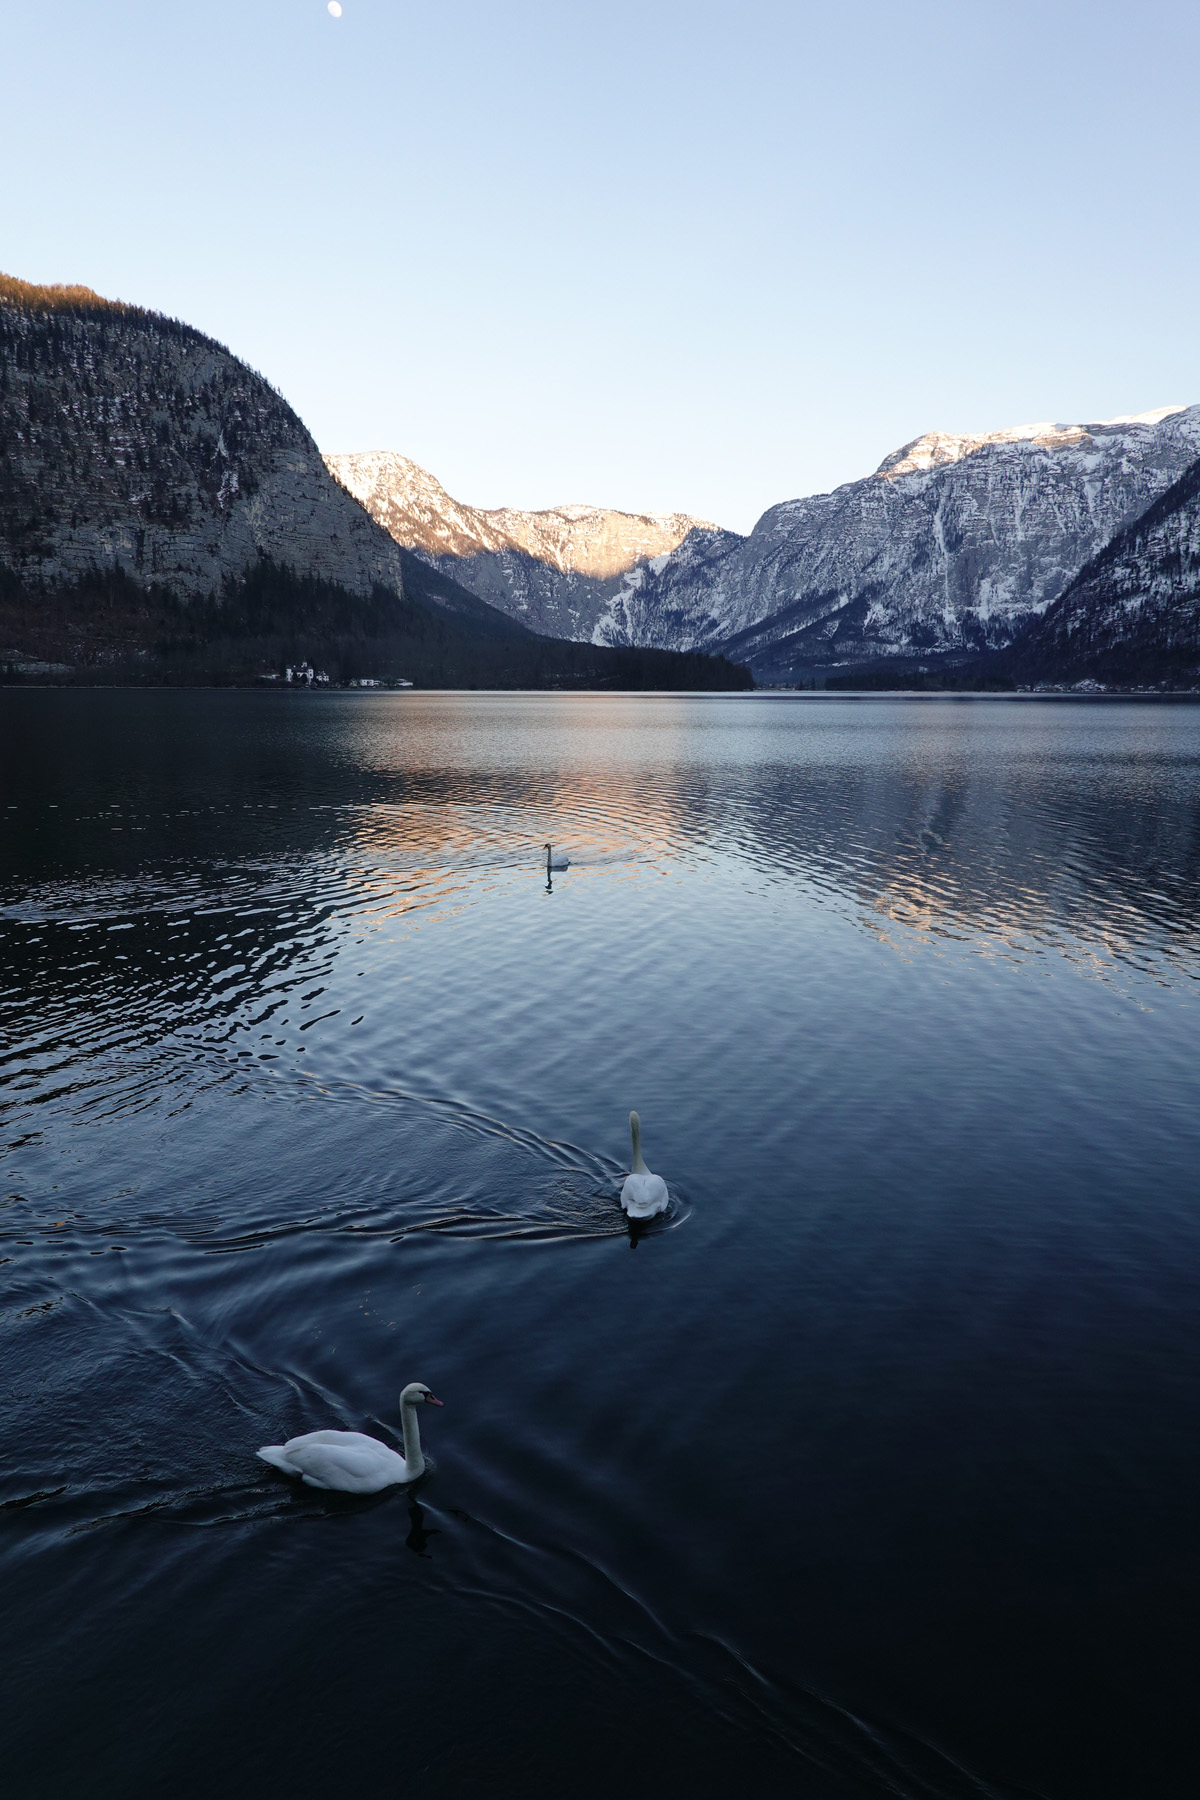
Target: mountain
(952, 547)
(133, 442)
(165, 514)
(1132, 614)
(950, 550)
(561, 571)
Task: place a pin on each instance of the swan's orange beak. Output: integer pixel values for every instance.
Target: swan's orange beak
(432, 1400)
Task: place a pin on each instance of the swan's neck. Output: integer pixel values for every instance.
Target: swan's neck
(414, 1461)
(635, 1132)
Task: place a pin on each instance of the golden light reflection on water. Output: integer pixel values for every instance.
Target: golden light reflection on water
(1087, 898)
(437, 857)
(1006, 831)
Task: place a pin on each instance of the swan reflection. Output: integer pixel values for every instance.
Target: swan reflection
(419, 1533)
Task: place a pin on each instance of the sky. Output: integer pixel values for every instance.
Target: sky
(693, 257)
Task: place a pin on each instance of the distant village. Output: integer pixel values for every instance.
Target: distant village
(304, 675)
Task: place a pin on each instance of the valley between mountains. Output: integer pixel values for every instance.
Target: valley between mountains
(166, 516)
(985, 558)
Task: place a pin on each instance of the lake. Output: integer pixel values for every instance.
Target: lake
(871, 1469)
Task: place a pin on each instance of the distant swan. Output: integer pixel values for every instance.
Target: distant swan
(350, 1462)
(644, 1194)
(557, 862)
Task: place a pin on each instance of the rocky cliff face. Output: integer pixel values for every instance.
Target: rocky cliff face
(1132, 614)
(131, 442)
(952, 546)
(559, 571)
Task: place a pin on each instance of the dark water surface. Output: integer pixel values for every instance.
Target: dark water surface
(871, 1471)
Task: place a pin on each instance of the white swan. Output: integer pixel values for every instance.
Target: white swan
(350, 1461)
(644, 1194)
(559, 862)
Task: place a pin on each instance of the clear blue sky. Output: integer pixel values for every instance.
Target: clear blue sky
(656, 255)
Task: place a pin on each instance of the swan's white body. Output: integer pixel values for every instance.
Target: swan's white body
(643, 1194)
(557, 862)
(350, 1462)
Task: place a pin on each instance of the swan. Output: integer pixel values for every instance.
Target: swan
(350, 1462)
(644, 1194)
(558, 862)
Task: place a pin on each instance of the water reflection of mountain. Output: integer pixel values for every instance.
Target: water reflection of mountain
(207, 946)
(1096, 854)
(194, 872)
(193, 865)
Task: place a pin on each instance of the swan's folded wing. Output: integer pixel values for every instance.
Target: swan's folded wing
(354, 1468)
(348, 1438)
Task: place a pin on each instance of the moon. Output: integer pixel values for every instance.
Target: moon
(334, 10)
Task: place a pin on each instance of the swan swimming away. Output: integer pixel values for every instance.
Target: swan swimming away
(644, 1194)
(558, 862)
(350, 1462)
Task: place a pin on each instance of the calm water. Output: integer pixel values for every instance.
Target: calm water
(871, 1471)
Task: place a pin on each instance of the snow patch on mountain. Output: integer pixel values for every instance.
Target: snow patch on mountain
(937, 448)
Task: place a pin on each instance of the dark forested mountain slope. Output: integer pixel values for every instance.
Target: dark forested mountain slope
(131, 442)
(1132, 614)
(164, 511)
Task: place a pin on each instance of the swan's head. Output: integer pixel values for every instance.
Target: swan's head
(417, 1394)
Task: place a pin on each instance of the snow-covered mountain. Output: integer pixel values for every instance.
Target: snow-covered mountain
(556, 570)
(1132, 614)
(953, 545)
